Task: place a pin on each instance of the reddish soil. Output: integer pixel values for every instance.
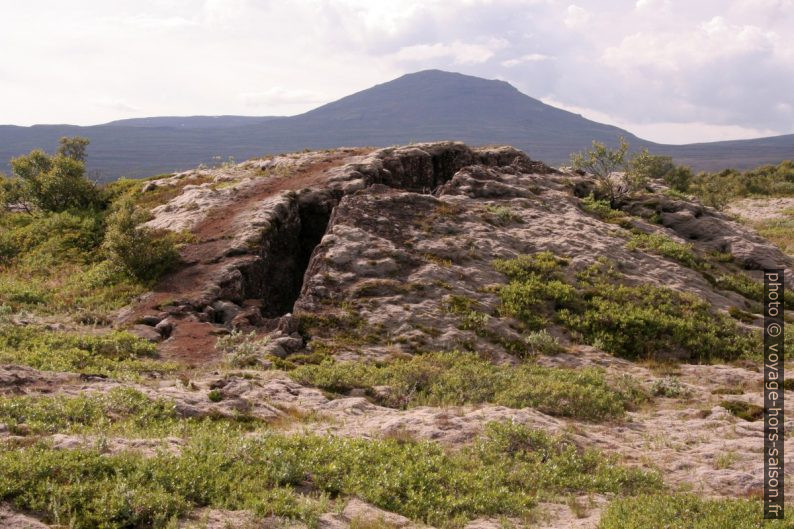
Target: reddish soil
(192, 342)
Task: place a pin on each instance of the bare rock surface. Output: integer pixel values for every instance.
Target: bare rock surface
(16, 520)
(759, 209)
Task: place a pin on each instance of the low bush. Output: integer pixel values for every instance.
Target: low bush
(501, 216)
(669, 387)
(504, 473)
(41, 240)
(633, 321)
(457, 378)
(140, 251)
(718, 189)
(750, 288)
(541, 342)
(83, 413)
(601, 209)
(51, 263)
(661, 244)
(646, 321)
(533, 299)
(55, 183)
(241, 349)
(544, 264)
(116, 354)
(687, 512)
(744, 410)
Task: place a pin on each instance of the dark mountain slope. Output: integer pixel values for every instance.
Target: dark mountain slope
(423, 106)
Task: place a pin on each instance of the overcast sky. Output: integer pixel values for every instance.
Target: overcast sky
(674, 71)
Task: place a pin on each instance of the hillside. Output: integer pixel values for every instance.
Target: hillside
(431, 335)
(424, 106)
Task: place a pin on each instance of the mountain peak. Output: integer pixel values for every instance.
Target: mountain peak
(427, 105)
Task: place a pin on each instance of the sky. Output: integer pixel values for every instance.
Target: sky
(672, 71)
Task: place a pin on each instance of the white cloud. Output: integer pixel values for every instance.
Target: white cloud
(576, 17)
(531, 57)
(651, 5)
(459, 52)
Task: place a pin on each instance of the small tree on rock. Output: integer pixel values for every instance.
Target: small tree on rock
(602, 163)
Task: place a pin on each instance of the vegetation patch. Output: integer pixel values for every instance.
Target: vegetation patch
(670, 387)
(633, 321)
(644, 321)
(779, 231)
(115, 354)
(456, 378)
(69, 246)
(603, 210)
(718, 189)
(504, 473)
(501, 216)
(687, 512)
(51, 262)
(241, 349)
(330, 333)
(750, 288)
(661, 244)
(744, 410)
(51, 414)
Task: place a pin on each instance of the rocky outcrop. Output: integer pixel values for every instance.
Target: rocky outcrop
(259, 263)
(394, 234)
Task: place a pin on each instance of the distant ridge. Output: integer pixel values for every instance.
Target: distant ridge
(422, 106)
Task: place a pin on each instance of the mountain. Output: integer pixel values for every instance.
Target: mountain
(423, 106)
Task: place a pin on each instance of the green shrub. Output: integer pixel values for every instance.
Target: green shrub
(742, 315)
(543, 264)
(47, 238)
(602, 162)
(601, 209)
(663, 245)
(679, 179)
(50, 262)
(141, 252)
(501, 215)
(504, 473)
(687, 512)
(641, 321)
(116, 354)
(242, 350)
(718, 189)
(541, 342)
(646, 321)
(744, 410)
(456, 378)
(55, 183)
(669, 387)
(644, 167)
(51, 414)
(532, 300)
(750, 288)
